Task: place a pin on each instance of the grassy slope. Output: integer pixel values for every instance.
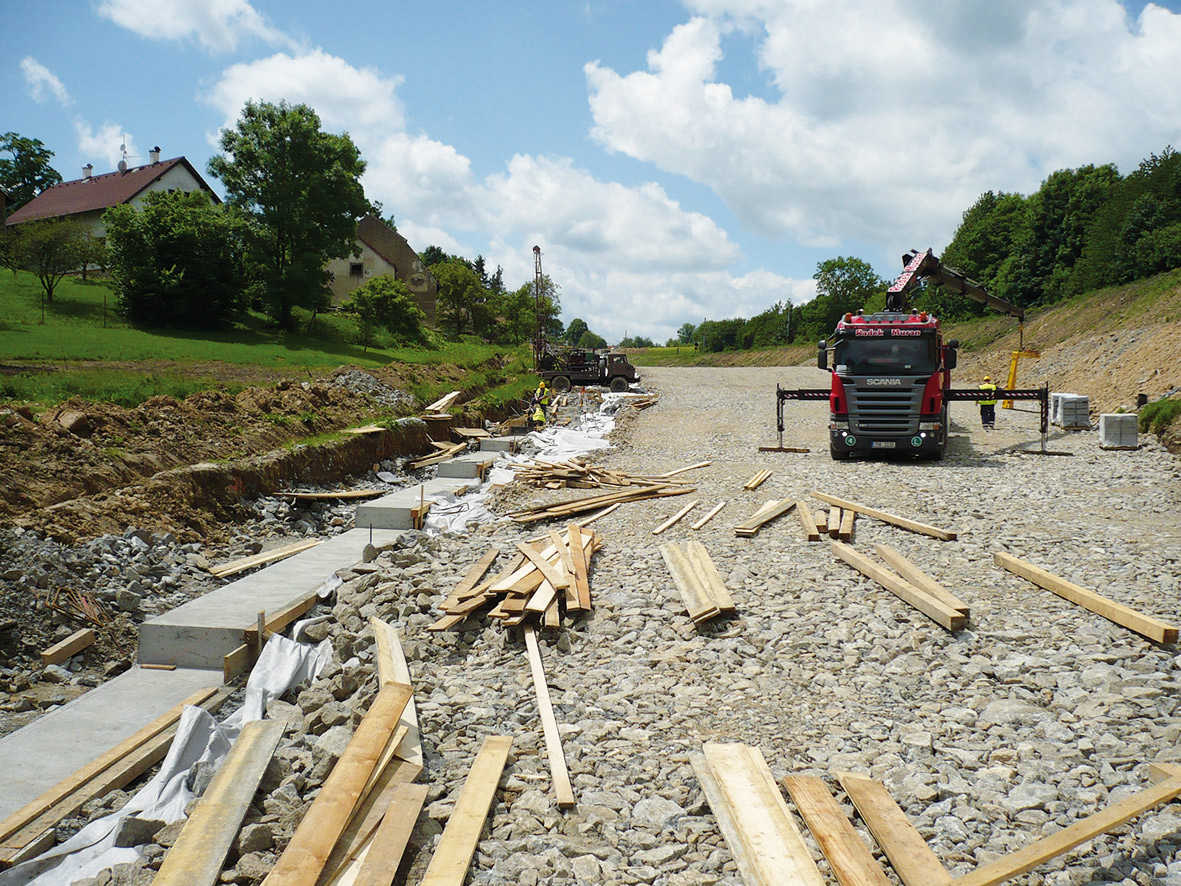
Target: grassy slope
(96, 355)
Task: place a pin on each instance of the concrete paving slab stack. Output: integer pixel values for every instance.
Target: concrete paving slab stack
(1075, 411)
(1119, 431)
(1055, 404)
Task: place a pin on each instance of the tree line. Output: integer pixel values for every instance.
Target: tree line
(1083, 229)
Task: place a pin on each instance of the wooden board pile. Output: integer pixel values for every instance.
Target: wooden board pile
(548, 579)
(697, 579)
(769, 849)
(577, 475)
(445, 452)
(757, 480)
(562, 510)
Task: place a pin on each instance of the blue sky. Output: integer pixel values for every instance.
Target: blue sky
(674, 160)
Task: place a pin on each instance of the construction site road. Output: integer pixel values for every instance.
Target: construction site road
(1034, 715)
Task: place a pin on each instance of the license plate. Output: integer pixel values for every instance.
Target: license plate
(882, 444)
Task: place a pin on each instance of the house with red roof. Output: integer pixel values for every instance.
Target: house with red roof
(383, 251)
(87, 198)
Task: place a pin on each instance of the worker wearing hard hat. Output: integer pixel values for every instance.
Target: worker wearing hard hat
(537, 419)
(541, 395)
(988, 406)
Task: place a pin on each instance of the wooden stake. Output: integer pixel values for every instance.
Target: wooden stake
(811, 529)
(716, 509)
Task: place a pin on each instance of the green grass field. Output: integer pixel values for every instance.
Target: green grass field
(79, 328)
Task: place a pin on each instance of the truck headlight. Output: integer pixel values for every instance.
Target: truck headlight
(838, 426)
(929, 426)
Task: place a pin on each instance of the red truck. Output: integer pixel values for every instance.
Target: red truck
(891, 371)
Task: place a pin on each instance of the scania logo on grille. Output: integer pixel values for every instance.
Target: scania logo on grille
(883, 381)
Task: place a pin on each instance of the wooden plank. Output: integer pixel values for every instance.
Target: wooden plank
(478, 571)
(1150, 627)
(542, 598)
(392, 836)
(443, 402)
(68, 648)
(235, 566)
(936, 610)
(921, 580)
(365, 820)
(765, 842)
(197, 857)
(453, 855)
(850, 859)
(807, 521)
(903, 522)
(700, 464)
(392, 668)
(764, 515)
(37, 807)
(912, 858)
(587, 521)
(235, 663)
(543, 565)
(326, 819)
(676, 518)
(1158, 772)
(834, 523)
(580, 558)
(549, 724)
(339, 494)
(845, 532)
(1041, 851)
(693, 593)
(713, 513)
(279, 620)
(711, 580)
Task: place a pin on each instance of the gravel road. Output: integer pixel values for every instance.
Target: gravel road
(1036, 715)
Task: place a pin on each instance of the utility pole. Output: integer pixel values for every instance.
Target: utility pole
(538, 326)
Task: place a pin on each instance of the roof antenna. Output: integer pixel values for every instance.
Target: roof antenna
(122, 167)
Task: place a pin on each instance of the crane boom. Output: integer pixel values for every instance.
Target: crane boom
(927, 266)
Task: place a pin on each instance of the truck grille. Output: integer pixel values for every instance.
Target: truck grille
(877, 409)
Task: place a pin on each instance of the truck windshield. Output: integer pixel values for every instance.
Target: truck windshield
(884, 355)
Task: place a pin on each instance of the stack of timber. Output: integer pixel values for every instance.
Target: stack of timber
(577, 475)
(443, 403)
(886, 517)
(925, 594)
(570, 508)
(1152, 628)
(445, 453)
(644, 402)
(30, 830)
(750, 527)
(757, 480)
(549, 579)
(697, 579)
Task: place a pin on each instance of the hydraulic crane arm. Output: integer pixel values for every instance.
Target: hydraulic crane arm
(926, 266)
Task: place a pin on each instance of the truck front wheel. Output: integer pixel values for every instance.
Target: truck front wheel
(618, 384)
(560, 383)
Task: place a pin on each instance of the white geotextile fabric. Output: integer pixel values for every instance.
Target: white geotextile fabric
(451, 513)
(199, 738)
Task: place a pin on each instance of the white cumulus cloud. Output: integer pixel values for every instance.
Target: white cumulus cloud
(217, 25)
(42, 82)
(102, 146)
(886, 120)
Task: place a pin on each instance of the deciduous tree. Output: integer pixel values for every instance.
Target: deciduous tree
(385, 301)
(51, 249)
(26, 172)
(303, 187)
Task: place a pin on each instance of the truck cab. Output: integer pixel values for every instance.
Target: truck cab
(889, 370)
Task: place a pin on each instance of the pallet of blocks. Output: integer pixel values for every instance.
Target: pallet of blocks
(548, 578)
(697, 579)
